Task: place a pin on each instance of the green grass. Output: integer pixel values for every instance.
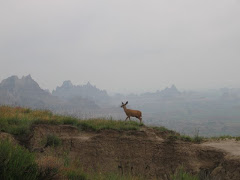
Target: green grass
(101, 124)
(16, 162)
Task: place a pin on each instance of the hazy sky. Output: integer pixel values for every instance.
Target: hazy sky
(122, 45)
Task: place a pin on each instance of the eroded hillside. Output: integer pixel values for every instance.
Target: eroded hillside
(136, 150)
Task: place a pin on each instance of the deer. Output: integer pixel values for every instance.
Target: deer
(131, 113)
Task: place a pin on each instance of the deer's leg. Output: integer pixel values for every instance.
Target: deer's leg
(126, 119)
(140, 119)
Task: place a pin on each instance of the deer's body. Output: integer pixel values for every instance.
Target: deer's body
(132, 113)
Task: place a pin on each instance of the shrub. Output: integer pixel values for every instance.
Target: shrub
(172, 137)
(52, 140)
(27, 110)
(70, 121)
(238, 138)
(75, 174)
(186, 138)
(16, 162)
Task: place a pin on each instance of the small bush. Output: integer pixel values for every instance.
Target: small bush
(16, 162)
(27, 111)
(172, 137)
(70, 121)
(52, 140)
(75, 174)
(198, 139)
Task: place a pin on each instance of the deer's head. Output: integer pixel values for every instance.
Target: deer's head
(123, 105)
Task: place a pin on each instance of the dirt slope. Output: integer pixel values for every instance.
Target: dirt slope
(146, 152)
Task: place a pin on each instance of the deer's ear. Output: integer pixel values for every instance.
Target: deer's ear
(127, 102)
(122, 103)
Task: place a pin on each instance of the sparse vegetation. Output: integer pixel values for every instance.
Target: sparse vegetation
(186, 138)
(161, 129)
(225, 137)
(195, 139)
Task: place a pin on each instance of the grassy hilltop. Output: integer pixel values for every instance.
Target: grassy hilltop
(18, 121)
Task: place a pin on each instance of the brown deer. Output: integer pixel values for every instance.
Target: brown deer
(131, 113)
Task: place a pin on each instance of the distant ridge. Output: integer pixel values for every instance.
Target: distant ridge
(68, 90)
(167, 92)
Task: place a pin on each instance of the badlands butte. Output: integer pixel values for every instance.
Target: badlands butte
(126, 149)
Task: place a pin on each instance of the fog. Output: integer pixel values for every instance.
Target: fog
(122, 46)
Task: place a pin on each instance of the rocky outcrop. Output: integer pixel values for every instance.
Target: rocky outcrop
(26, 92)
(170, 92)
(69, 91)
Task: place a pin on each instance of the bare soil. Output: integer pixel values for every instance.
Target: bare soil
(231, 146)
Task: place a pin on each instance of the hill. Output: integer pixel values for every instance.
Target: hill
(99, 148)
